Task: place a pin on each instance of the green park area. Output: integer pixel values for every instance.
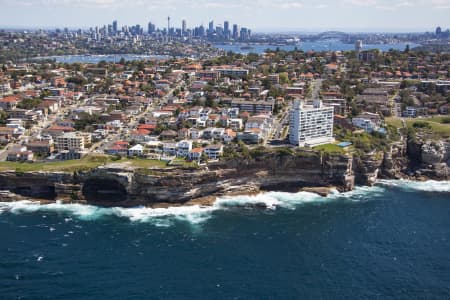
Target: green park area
(439, 127)
(88, 162)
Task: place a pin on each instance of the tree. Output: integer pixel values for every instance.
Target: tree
(29, 103)
(284, 78)
(3, 117)
(204, 157)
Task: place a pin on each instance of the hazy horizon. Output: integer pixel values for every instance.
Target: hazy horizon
(258, 15)
(254, 30)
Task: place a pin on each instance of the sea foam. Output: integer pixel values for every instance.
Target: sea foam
(423, 186)
(196, 214)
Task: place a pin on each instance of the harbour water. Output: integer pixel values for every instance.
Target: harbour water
(390, 241)
(326, 45)
(93, 59)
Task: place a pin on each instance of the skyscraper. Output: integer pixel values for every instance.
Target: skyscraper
(151, 28)
(114, 26)
(358, 47)
(235, 32)
(211, 27)
(183, 27)
(226, 29)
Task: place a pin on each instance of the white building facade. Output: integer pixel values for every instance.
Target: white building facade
(311, 125)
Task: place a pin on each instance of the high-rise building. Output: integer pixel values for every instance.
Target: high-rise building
(114, 26)
(358, 47)
(151, 28)
(226, 29)
(244, 34)
(211, 27)
(311, 125)
(235, 32)
(219, 31)
(168, 25)
(183, 27)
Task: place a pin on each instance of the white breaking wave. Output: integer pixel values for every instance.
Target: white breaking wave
(270, 200)
(164, 216)
(158, 216)
(424, 186)
(198, 214)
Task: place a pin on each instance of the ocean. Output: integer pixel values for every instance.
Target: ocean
(390, 241)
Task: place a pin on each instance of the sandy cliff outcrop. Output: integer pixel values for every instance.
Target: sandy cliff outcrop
(117, 185)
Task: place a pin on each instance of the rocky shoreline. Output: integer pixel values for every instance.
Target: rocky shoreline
(121, 185)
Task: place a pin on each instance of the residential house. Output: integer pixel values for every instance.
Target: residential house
(55, 131)
(251, 136)
(195, 133)
(196, 154)
(136, 150)
(9, 102)
(6, 134)
(229, 135)
(21, 155)
(184, 148)
(214, 151)
(140, 135)
(168, 135)
(170, 149)
(365, 124)
(184, 133)
(118, 148)
(41, 147)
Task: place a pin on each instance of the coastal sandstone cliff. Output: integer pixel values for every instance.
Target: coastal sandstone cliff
(117, 184)
(122, 185)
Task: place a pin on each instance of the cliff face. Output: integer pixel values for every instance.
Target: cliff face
(34, 184)
(410, 158)
(120, 185)
(116, 185)
(429, 159)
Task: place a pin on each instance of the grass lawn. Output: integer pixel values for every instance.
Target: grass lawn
(87, 163)
(396, 122)
(330, 148)
(438, 128)
(183, 163)
(441, 120)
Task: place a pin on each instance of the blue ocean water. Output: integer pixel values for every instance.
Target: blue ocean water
(391, 241)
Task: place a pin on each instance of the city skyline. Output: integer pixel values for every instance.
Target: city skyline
(261, 15)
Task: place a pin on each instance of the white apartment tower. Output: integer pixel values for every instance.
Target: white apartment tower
(311, 125)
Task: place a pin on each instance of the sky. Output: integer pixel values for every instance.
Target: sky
(259, 15)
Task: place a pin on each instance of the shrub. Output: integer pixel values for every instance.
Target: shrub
(421, 125)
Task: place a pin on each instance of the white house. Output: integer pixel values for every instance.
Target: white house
(170, 149)
(195, 133)
(184, 148)
(137, 150)
(365, 124)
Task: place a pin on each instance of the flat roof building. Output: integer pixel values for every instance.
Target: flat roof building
(311, 125)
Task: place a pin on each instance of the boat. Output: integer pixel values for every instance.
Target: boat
(247, 48)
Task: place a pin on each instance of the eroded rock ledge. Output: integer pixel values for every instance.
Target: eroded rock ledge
(122, 185)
